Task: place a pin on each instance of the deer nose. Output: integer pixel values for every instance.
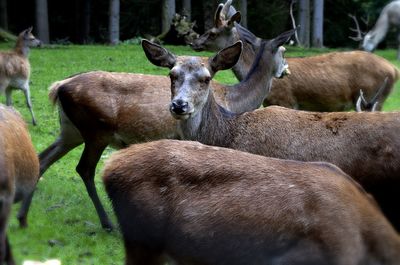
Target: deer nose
(179, 106)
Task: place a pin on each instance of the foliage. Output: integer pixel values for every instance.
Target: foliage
(62, 222)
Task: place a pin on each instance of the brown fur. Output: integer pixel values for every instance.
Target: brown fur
(19, 172)
(102, 108)
(208, 205)
(15, 68)
(328, 82)
(365, 145)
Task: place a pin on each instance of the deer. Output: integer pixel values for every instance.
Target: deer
(200, 204)
(365, 145)
(137, 111)
(365, 105)
(15, 68)
(19, 173)
(390, 15)
(326, 82)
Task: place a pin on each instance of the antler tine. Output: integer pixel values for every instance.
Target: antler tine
(225, 10)
(380, 90)
(365, 20)
(359, 36)
(358, 103)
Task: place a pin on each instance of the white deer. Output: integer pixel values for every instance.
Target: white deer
(390, 15)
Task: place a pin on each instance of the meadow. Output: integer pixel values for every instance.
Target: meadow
(62, 221)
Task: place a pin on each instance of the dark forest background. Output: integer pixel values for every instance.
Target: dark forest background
(266, 18)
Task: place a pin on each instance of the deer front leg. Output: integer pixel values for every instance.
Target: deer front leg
(27, 94)
(8, 91)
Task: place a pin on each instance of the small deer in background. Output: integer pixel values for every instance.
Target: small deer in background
(365, 105)
(15, 68)
(390, 15)
(200, 204)
(19, 173)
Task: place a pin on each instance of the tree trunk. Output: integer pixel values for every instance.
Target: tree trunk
(318, 24)
(304, 21)
(113, 26)
(83, 8)
(209, 7)
(187, 9)
(243, 11)
(42, 21)
(3, 14)
(168, 11)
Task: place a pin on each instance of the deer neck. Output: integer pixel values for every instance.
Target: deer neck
(242, 67)
(21, 48)
(381, 27)
(208, 126)
(255, 86)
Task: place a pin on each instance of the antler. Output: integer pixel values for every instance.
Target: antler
(360, 34)
(227, 10)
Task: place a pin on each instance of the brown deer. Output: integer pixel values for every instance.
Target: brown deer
(136, 111)
(19, 172)
(327, 82)
(201, 204)
(365, 145)
(15, 68)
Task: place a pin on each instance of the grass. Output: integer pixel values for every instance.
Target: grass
(62, 221)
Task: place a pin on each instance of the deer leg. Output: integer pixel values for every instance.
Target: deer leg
(86, 169)
(27, 94)
(5, 249)
(68, 139)
(8, 91)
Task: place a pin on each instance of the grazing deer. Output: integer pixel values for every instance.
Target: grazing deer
(15, 68)
(327, 82)
(19, 172)
(137, 111)
(365, 145)
(202, 204)
(364, 105)
(390, 15)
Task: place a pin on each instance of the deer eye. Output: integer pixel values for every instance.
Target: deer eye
(205, 79)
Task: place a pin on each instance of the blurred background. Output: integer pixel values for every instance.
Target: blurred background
(88, 21)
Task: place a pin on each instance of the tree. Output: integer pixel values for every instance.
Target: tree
(83, 11)
(3, 14)
(113, 25)
(42, 21)
(304, 21)
(168, 12)
(318, 24)
(243, 11)
(187, 9)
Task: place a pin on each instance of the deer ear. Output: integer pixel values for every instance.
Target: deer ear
(217, 16)
(245, 34)
(235, 18)
(281, 39)
(158, 55)
(226, 58)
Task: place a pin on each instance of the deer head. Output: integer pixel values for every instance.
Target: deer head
(29, 39)
(220, 35)
(190, 77)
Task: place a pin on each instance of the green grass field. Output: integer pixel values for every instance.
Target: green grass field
(62, 221)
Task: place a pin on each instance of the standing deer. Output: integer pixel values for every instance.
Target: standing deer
(19, 172)
(365, 145)
(15, 68)
(390, 15)
(327, 82)
(117, 109)
(202, 204)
